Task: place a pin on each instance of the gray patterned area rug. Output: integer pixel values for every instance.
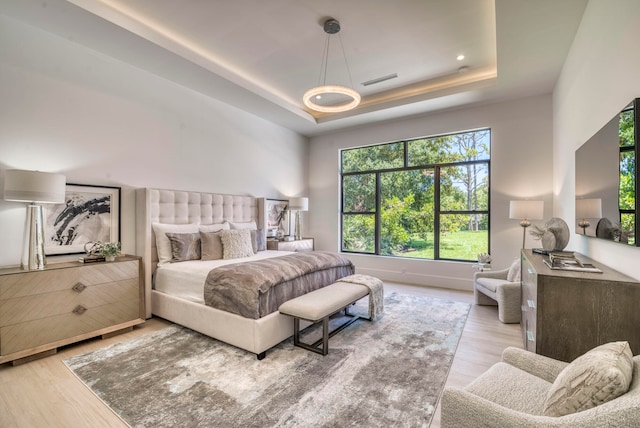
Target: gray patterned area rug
(378, 374)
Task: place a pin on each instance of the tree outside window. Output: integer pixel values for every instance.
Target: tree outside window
(425, 198)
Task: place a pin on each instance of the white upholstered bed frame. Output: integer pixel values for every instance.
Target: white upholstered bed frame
(179, 207)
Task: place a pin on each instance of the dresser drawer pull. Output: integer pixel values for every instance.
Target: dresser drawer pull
(79, 310)
(531, 304)
(79, 287)
(530, 337)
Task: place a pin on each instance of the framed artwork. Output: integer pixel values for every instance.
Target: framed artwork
(277, 216)
(88, 214)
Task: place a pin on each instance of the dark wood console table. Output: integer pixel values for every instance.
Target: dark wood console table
(567, 313)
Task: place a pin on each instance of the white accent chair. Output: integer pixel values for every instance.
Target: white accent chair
(512, 393)
(501, 288)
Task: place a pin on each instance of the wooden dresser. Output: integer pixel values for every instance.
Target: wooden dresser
(41, 310)
(567, 313)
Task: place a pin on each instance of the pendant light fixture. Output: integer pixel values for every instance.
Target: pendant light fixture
(331, 27)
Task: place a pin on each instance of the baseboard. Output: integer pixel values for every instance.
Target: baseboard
(454, 283)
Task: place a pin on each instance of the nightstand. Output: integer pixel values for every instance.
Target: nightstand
(300, 245)
(64, 303)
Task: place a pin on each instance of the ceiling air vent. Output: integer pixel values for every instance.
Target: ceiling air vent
(380, 79)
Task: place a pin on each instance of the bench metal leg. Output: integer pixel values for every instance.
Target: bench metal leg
(326, 334)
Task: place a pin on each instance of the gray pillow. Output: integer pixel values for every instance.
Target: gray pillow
(211, 245)
(600, 375)
(258, 241)
(184, 246)
(236, 243)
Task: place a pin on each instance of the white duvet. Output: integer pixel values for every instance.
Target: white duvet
(186, 279)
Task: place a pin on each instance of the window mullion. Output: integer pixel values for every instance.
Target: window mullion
(436, 213)
(378, 214)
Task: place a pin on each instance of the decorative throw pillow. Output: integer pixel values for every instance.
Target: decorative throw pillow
(184, 246)
(600, 375)
(258, 241)
(514, 271)
(214, 227)
(236, 243)
(163, 245)
(211, 245)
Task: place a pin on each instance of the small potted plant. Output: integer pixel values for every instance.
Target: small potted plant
(110, 250)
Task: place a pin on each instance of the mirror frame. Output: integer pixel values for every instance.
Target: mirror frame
(579, 228)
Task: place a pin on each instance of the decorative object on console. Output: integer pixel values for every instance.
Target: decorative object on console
(484, 258)
(36, 188)
(110, 250)
(587, 209)
(86, 214)
(334, 93)
(298, 205)
(92, 253)
(525, 211)
(554, 236)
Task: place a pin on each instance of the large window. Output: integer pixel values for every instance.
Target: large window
(425, 198)
(627, 184)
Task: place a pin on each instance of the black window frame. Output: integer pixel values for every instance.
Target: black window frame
(437, 199)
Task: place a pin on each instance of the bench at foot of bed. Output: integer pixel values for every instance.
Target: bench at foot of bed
(320, 305)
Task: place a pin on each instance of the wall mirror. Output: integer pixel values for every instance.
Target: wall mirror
(607, 180)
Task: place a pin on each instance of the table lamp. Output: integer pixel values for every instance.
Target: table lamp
(525, 211)
(35, 188)
(297, 205)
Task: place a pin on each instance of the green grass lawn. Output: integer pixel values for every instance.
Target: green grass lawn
(461, 245)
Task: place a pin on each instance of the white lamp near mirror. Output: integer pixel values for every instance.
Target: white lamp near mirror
(588, 209)
(35, 188)
(525, 211)
(298, 205)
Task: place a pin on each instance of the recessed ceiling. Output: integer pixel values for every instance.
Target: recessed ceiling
(262, 56)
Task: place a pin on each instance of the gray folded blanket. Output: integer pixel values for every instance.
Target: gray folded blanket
(376, 292)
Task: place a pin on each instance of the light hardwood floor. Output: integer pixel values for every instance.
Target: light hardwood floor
(44, 393)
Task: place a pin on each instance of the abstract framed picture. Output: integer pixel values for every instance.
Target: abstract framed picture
(277, 216)
(88, 214)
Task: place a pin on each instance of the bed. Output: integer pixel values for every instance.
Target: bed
(182, 305)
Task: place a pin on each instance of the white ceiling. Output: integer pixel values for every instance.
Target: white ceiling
(262, 55)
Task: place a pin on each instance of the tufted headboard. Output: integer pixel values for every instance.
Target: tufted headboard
(179, 207)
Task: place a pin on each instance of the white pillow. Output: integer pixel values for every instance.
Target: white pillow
(163, 245)
(248, 225)
(236, 243)
(514, 271)
(214, 227)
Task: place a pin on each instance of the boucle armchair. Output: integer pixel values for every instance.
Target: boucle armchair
(501, 288)
(512, 393)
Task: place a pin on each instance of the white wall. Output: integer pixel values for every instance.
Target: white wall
(599, 78)
(68, 109)
(521, 168)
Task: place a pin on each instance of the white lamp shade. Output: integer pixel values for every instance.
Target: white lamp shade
(34, 186)
(299, 204)
(529, 210)
(589, 208)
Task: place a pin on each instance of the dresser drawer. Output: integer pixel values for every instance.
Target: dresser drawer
(30, 334)
(32, 283)
(45, 305)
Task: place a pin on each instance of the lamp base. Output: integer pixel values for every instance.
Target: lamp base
(298, 230)
(33, 257)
